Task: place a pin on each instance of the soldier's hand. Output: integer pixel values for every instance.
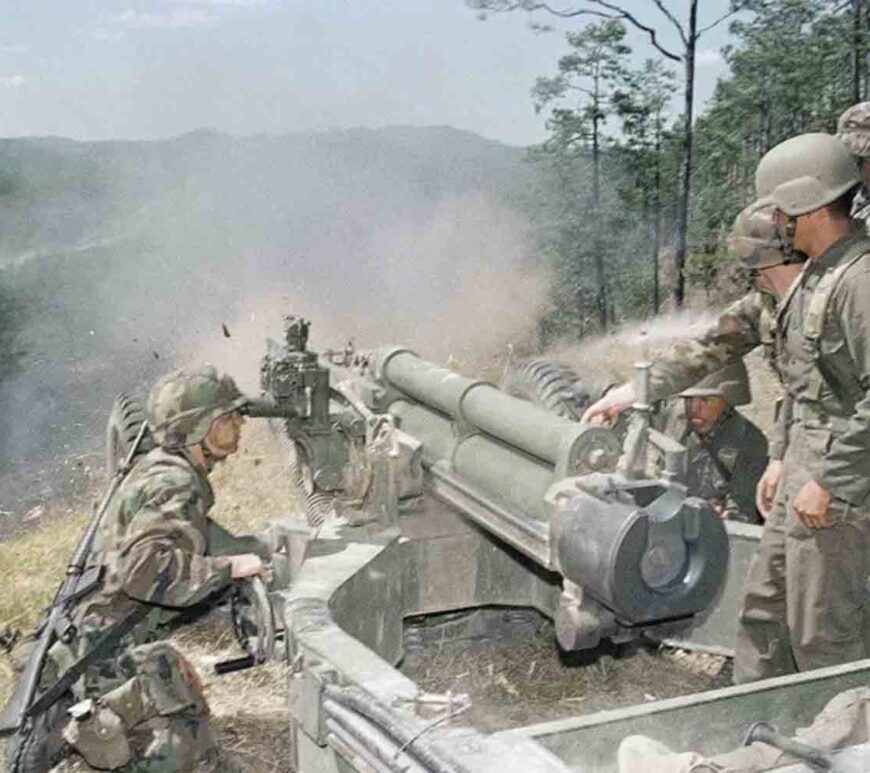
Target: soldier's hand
(768, 487)
(248, 565)
(608, 409)
(811, 506)
(718, 506)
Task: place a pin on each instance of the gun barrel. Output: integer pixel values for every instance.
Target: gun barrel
(478, 404)
(262, 408)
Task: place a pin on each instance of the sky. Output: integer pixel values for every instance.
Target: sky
(106, 69)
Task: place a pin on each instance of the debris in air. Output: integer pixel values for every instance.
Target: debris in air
(226, 331)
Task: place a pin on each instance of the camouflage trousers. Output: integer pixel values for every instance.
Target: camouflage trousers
(807, 602)
(151, 713)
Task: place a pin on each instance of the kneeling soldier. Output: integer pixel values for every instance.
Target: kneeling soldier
(141, 705)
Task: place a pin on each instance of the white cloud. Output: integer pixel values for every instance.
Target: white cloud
(708, 56)
(14, 82)
(179, 18)
(14, 49)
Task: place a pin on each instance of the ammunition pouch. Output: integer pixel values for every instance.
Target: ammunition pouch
(98, 734)
(165, 683)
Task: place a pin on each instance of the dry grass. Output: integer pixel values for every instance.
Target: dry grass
(517, 683)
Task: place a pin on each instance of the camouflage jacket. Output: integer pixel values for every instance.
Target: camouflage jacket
(824, 328)
(740, 447)
(746, 324)
(157, 526)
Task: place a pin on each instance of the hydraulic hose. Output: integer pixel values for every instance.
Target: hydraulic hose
(356, 730)
(387, 722)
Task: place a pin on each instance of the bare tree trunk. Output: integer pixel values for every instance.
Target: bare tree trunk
(683, 210)
(766, 131)
(600, 277)
(856, 51)
(657, 216)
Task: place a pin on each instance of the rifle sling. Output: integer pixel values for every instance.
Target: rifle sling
(101, 649)
(717, 462)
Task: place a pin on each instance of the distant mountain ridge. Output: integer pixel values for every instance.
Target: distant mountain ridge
(56, 191)
(120, 257)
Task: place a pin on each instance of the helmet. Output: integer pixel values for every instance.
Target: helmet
(731, 384)
(755, 240)
(853, 129)
(183, 404)
(806, 173)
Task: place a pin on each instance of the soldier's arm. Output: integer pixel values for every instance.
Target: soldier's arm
(779, 432)
(733, 335)
(223, 542)
(162, 541)
(166, 556)
(843, 471)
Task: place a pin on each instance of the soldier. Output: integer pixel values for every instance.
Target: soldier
(745, 325)
(806, 606)
(853, 128)
(727, 453)
(141, 705)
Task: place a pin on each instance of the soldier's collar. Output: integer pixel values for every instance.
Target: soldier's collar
(838, 250)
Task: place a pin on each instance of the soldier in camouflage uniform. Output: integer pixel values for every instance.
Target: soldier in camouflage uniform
(141, 707)
(727, 453)
(806, 603)
(745, 325)
(853, 128)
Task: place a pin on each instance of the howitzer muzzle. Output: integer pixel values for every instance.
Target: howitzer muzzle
(263, 408)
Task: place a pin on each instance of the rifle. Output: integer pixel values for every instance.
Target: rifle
(24, 705)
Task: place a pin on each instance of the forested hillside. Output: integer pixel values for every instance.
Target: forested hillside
(627, 144)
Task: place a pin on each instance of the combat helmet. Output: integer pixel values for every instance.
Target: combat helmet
(853, 129)
(755, 240)
(183, 404)
(806, 173)
(731, 384)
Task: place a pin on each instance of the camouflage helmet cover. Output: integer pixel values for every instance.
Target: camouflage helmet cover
(183, 404)
(731, 384)
(754, 237)
(853, 129)
(806, 173)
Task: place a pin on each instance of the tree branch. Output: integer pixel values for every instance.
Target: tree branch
(581, 89)
(672, 19)
(639, 25)
(736, 9)
(618, 12)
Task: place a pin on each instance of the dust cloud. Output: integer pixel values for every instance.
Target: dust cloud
(455, 285)
(191, 250)
(610, 358)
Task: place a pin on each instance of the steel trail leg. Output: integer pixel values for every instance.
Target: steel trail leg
(762, 732)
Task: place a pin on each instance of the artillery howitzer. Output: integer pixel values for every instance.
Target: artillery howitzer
(432, 492)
